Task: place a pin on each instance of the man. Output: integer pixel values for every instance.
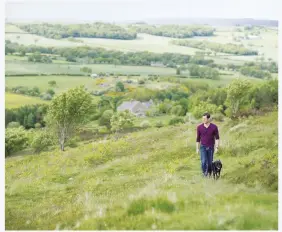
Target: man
(207, 142)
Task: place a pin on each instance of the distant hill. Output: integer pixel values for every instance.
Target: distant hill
(209, 21)
(215, 21)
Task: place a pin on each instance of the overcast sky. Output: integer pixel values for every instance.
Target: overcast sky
(119, 10)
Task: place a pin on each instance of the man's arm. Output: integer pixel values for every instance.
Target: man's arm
(198, 140)
(216, 138)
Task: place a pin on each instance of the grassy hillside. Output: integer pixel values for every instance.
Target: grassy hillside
(149, 180)
(16, 100)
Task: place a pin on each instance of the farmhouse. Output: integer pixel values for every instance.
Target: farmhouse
(136, 107)
(94, 75)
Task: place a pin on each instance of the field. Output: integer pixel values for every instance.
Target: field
(16, 100)
(149, 180)
(158, 44)
(266, 43)
(66, 82)
(21, 67)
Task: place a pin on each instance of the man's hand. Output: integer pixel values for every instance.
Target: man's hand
(197, 150)
(216, 150)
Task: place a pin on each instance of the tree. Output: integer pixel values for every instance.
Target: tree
(105, 119)
(51, 92)
(67, 112)
(178, 71)
(120, 120)
(237, 93)
(111, 102)
(120, 86)
(86, 70)
(30, 120)
(52, 83)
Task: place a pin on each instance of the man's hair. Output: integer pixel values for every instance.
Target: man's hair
(207, 114)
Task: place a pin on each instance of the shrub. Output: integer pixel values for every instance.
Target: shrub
(145, 124)
(42, 140)
(16, 139)
(218, 117)
(51, 92)
(177, 110)
(176, 120)
(159, 124)
(46, 97)
(205, 107)
(37, 125)
(13, 125)
(105, 119)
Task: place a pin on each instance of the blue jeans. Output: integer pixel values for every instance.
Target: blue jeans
(206, 159)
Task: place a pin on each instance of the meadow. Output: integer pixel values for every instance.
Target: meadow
(21, 67)
(17, 100)
(149, 180)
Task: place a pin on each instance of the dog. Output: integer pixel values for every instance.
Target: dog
(216, 168)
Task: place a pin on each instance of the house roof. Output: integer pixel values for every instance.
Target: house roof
(127, 105)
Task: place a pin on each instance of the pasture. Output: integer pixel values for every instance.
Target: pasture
(18, 67)
(17, 100)
(149, 180)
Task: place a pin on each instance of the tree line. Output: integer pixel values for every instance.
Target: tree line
(100, 55)
(217, 47)
(175, 31)
(93, 30)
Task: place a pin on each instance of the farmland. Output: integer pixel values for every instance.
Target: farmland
(266, 44)
(79, 162)
(16, 100)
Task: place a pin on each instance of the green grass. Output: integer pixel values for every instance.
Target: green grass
(66, 82)
(149, 180)
(17, 100)
(20, 67)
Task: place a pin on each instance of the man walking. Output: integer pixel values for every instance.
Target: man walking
(207, 142)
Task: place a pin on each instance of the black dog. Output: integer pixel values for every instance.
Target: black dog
(216, 168)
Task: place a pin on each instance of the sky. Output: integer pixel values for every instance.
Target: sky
(122, 10)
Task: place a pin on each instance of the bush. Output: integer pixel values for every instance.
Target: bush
(218, 117)
(51, 92)
(141, 82)
(73, 142)
(105, 119)
(176, 120)
(145, 124)
(177, 110)
(46, 97)
(103, 130)
(205, 107)
(52, 83)
(13, 125)
(187, 118)
(159, 124)
(120, 87)
(37, 125)
(42, 140)
(16, 139)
